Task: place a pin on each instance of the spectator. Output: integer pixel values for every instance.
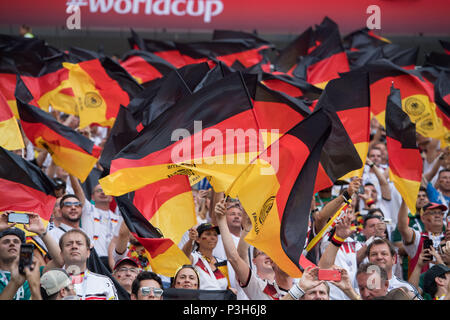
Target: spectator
(97, 220)
(26, 31)
(440, 193)
(416, 223)
(372, 281)
(75, 250)
(437, 282)
(126, 245)
(381, 252)
(186, 277)
(125, 271)
(56, 284)
(147, 286)
(254, 287)
(70, 209)
(207, 265)
(433, 220)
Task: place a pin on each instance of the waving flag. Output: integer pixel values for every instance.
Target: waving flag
(24, 187)
(442, 96)
(10, 134)
(165, 256)
(69, 149)
(405, 161)
(145, 66)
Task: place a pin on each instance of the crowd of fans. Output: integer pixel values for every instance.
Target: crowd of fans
(377, 249)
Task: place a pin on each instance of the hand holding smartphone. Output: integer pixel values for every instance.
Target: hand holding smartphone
(26, 256)
(15, 217)
(329, 275)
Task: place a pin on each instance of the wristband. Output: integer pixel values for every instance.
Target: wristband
(337, 241)
(296, 292)
(371, 165)
(346, 196)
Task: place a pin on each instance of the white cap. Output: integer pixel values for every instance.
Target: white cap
(54, 280)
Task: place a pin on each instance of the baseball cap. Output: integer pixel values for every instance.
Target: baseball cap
(207, 226)
(126, 259)
(54, 280)
(432, 206)
(15, 232)
(429, 285)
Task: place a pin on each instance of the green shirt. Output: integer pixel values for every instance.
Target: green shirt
(23, 293)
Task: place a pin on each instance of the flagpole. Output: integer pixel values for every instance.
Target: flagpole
(319, 236)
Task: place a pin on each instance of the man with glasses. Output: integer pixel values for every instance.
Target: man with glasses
(97, 219)
(413, 240)
(147, 286)
(70, 209)
(125, 271)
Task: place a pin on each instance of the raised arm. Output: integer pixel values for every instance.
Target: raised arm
(384, 184)
(241, 268)
(331, 207)
(343, 230)
(189, 245)
(402, 224)
(53, 248)
(243, 246)
(77, 189)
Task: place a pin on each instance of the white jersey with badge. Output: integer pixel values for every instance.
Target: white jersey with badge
(259, 289)
(93, 286)
(101, 226)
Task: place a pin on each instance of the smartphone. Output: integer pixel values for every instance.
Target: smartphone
(26, 256)
(14, 217)
(329, 275)
(427, 244)
(361, 190)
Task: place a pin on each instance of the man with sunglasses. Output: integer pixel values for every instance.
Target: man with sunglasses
(100, 223)
(70, 208)
(147, 286)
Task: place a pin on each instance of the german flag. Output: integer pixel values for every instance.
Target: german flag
(168, 205)
(405, 58)
(277, 198)
(142, 110)
(363, 39)
(145, 66)
(166, 50)
(101, 86)
(294, 87)
(154, 155)
(445, 45)
(24, 187)
(405, 161)
(442, 96)
(416, 93)
(287, 59)
(165, 256)
(70, 150)
(326, 60)
(349, 98)
(10, 134)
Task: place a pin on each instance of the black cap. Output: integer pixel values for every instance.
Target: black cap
(207, 226)
(429, 285)
(15, 232)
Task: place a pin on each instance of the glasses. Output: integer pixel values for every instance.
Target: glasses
(125, 269)
(157, 292)
(98, 190)
(69, 204)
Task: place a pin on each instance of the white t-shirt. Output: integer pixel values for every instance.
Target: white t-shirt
(93, 286)
(209, 280)
(101, 226)
(57, 232)
(259, 289)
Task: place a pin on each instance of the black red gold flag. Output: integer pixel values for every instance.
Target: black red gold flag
(165, 256)
(69, 149)
(24, 187)
(10, 134)
(442, 97)
(145, 66)
(405, 161)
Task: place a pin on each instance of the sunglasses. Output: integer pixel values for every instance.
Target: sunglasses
(157, 292)
(69, 204)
